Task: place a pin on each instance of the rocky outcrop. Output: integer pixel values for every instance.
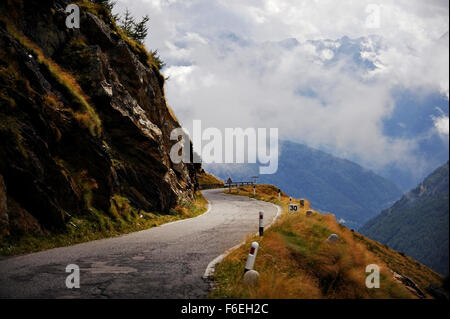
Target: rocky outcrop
(409, 284)
(83, 118)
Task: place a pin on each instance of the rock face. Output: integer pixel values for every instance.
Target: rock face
(4, 218)
(409, 284)
(83, 119)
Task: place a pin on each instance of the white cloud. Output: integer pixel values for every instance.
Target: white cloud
(230, 65)
(180, 74)
(441, 124)
(327, 54)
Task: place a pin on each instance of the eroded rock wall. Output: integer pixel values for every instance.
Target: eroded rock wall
(58, 159)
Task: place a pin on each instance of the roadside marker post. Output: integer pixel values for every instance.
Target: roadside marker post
(261, 223)
(279, 195)
(302, 202)
(251, 257)
(254, 189)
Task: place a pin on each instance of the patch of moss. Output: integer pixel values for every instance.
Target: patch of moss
(83, 182)
(121, 207)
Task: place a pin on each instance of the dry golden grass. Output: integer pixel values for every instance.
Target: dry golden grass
(205, 179)
(295, 261)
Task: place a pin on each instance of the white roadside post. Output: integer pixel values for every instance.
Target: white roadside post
(261, 223)
(290, 200)
(279, 195)
(251, 257)
(254, 189)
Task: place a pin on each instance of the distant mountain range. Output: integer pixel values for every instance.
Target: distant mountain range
(418, 223)
(412, 118)
(331, 184)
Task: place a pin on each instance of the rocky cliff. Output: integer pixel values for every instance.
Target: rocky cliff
(84, 125)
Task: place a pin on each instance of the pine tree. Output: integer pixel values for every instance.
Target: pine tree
(157, 59)
(140, 29)
(127, 24)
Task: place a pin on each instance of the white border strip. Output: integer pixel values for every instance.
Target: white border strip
(212, 265)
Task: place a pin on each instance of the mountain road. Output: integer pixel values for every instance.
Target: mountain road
(162, 262)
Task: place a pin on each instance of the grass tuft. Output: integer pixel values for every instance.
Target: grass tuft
(206, 180)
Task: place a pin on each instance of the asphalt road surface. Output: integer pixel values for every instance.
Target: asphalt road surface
(163, 262)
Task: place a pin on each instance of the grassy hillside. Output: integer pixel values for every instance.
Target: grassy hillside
(207, 180)
(418, 224)
(294, 260)
(332, 184)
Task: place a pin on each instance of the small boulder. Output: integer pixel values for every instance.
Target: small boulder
(333, 238)
(251, 278)
(309, 213)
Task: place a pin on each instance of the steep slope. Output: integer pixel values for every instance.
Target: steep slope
(331, 184)
(84, 125)
(418, 223)
(207, 181)
(295, 260)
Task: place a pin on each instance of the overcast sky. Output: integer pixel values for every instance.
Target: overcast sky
(251, 63)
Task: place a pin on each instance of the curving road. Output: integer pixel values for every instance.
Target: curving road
(163, 262)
